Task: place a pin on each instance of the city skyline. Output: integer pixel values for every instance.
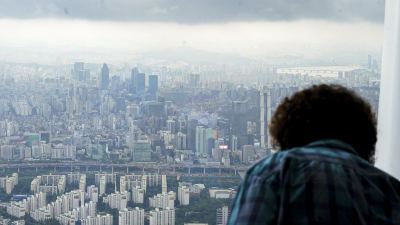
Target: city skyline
(151, 112)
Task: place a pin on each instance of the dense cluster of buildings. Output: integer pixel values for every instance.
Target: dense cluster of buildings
(201, 115)
(67, 208)
(163, 200)
(53, 184)
(70, 208)
(209, 115)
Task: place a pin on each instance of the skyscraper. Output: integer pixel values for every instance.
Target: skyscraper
(105, 77)
(248, 153)
(141, 82)
(44, 136)
(202, 136)
(153, 83)
(78, 66)
(191, 134)
(181, 141)
(134, 76)
(265, 117)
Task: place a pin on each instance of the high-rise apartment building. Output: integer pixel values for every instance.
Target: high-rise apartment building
(137, 194)
(162, 216)
(183, 194)
(202, 136)
(93, 193)
(102, 185)
(109, 177)
(82, 182)
(164, 183)
(117, 200)
(7, 152)
(181, 141)
(163, 200)
(171, 126)
(223, 215)
(131, 216)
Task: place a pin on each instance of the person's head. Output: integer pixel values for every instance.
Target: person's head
(325, 112)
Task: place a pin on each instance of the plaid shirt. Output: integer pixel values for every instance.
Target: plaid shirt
(325, 182)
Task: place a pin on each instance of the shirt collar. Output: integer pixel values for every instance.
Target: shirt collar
(333, 143)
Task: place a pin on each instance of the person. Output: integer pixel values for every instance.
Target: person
(322, 172)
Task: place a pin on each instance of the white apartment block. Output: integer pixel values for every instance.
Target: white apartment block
(102, 185)
(131, 216)
(130, 181)
(74, 177)
(8, 183)
(187, 190)
(40, 214)
(222, 215)
(183, 194)
(162, 216)
(82, 182)
(138, 195)
(117, 200)
(79, 213)
(54, 184)
(71, 203)
(104, 219)
(93, 193)
(164, 183)
(122, 183)
(16, 209)
(32, 202)
(163, 200)
(109, 178)
(144, 182)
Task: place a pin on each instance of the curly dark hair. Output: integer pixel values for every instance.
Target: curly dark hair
(325, 112)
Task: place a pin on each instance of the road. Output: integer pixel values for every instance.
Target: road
(143, 166)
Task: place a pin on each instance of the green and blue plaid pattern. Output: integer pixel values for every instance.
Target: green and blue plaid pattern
(325, 182)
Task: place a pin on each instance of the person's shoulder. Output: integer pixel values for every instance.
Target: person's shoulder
(267, 165)
(273, 163)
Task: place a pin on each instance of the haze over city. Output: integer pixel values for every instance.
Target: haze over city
(149, 112)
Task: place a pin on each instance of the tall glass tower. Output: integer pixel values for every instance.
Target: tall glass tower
(105, 77)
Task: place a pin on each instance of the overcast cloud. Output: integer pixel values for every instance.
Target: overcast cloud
(196, 11)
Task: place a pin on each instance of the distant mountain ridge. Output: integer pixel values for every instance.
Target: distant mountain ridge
(198, 57)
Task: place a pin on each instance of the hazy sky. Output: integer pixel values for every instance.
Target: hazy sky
(203, 24)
